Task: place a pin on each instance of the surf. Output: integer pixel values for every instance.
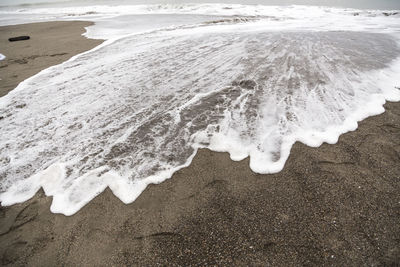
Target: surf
(136, 109)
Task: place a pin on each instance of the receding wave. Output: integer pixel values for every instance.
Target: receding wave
(132, 112)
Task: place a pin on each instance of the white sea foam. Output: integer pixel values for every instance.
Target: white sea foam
(116, 21)
(136, 109)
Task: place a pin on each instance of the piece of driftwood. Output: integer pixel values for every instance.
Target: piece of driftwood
(19, 38)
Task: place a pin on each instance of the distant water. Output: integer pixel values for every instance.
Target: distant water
(173, 78)
(363, 4)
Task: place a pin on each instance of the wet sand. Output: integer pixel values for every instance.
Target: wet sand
(333, 205)
(51, 43)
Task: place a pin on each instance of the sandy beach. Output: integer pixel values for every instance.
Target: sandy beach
(336, 205)
(50, 44)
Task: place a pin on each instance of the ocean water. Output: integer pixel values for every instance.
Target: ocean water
(363, 4)
(250, 80)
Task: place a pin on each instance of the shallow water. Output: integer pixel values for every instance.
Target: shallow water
(136, 109)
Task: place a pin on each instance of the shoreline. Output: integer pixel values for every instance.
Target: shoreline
(50, 43)
(333, 205)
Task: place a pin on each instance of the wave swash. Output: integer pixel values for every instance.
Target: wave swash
(136, 109)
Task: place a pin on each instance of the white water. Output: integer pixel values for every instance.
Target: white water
(249, 81)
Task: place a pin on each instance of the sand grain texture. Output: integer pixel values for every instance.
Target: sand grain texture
(335, 205)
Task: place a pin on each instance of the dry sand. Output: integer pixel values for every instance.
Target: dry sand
(334, 205)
